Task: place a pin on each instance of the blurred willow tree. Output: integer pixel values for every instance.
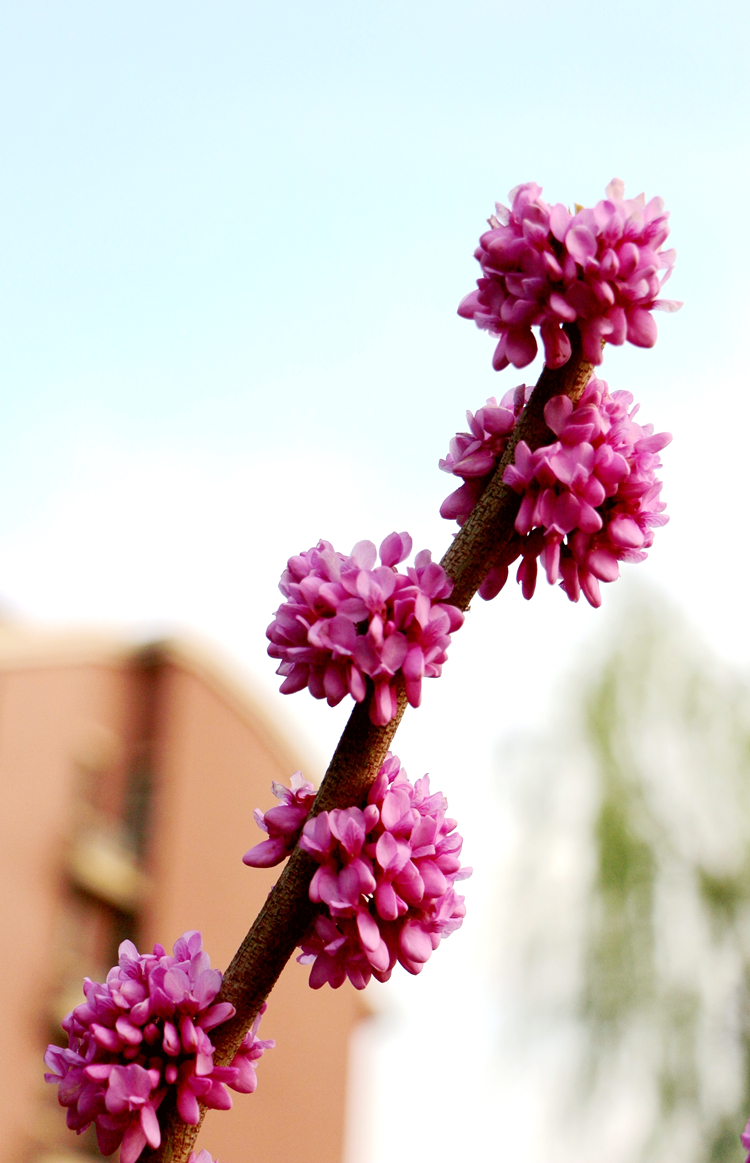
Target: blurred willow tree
(629, 977)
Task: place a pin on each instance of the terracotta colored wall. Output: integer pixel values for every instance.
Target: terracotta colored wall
(69, 732)
(46, 716)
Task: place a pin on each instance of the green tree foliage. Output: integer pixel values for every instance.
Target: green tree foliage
(649, 923)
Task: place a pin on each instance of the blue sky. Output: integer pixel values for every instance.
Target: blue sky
(233, 240)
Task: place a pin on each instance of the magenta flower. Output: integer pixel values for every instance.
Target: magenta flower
(745, 1140)
(543, 266)
(589, 500)
(283, 824)
(143, 1031)
(384, 882)
(474, 455)
(346, 620)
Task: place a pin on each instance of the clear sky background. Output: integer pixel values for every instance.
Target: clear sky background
(233, 237)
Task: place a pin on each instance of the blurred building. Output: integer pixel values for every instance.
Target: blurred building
(128, 780)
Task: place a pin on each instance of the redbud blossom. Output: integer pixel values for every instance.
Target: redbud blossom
(589, 500)
(598, 268)
(283, 824)
(474, 455)
(345, 620)
(385, 882)
(141, 1034)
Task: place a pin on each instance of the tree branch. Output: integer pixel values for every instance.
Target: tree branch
(288, 912)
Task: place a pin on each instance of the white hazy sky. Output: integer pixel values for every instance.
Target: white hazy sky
(233, 241)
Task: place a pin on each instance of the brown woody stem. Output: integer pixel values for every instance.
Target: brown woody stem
(282, 922)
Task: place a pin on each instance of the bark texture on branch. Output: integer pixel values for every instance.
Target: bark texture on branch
(281, 924)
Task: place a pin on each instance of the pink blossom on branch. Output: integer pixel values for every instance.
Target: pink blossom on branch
(474, 455)
(385, 882)
(141, 1034)
(589, 500)
(283, 824)
(598, 268)
(346, 619)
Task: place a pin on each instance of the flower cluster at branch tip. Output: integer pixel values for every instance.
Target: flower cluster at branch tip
(745, 1140)
(589, 500)
(385, 882)
(283, 824)
(543, 266)
(346, 620)
(140, 1034)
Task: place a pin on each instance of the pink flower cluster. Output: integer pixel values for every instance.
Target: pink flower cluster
(589, 500)
(346, 620)
(474, 455)
(283, 824)
(142, 1032)
(543, 266)
(745, 1140)
(385, 882)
